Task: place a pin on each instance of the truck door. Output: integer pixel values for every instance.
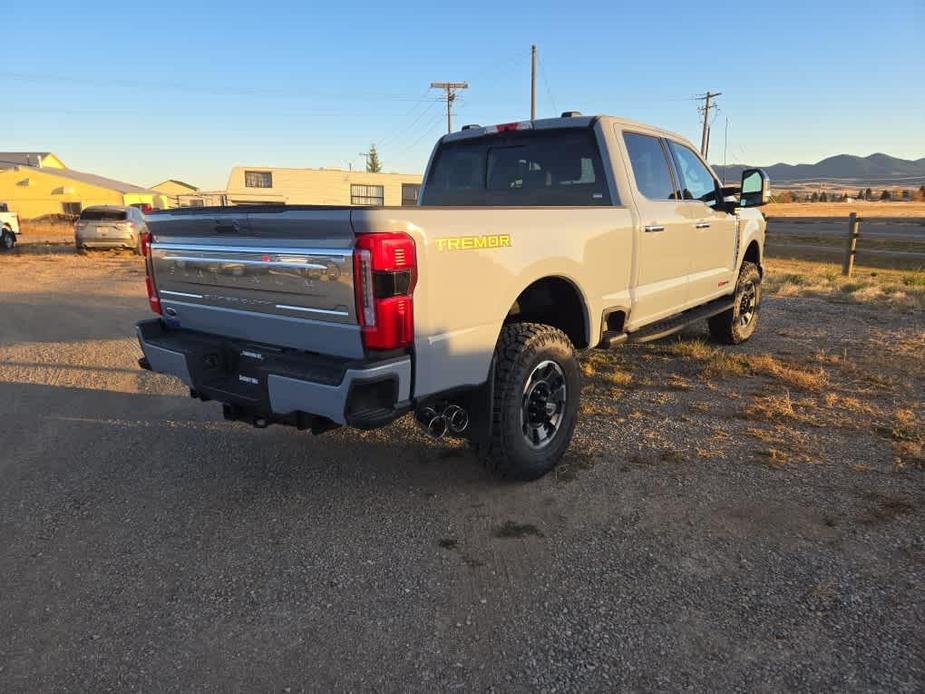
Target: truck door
(662, 263)
(711, 243)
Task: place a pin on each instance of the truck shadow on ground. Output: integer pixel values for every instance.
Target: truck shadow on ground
(187, 441)
(106, 317)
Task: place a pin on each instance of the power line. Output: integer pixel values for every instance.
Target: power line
(400, 131)
(423, 99)
(427, 130)
(725, 147)
(450, 89)
(412, 132)
(293, 93)
(552, 99)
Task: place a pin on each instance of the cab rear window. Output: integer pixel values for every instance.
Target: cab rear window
(92, 214)
(530, 167)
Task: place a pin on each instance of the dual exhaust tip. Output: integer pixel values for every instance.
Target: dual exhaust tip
(437, 423)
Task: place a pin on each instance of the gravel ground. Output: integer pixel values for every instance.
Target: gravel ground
(688, 542)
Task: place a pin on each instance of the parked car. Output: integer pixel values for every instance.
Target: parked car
(109, 226)
(531, 240)
(9, 227)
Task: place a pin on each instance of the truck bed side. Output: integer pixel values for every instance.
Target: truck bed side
(473, 263)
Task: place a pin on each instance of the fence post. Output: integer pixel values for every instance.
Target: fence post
(854, 224)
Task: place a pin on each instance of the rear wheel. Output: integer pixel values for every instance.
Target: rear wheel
(7, 239)
(736, 325)
(535, 406)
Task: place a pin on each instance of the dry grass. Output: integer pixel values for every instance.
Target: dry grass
(676, 382)
(898, 289)
(776, 407)
(848, 404)
(794, 403)
(766, 365)
(603, 369)
(781, 444)
(843, 209)
(718, 362)
(908, 434)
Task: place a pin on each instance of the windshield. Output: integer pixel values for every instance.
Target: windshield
(102, 214)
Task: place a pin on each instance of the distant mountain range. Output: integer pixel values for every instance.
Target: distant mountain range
(876, 169)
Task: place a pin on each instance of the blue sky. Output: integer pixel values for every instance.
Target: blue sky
(149, 91)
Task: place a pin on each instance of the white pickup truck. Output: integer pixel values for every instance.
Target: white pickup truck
(531, 240)
(9, 227)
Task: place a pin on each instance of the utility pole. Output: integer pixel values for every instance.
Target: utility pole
(533, 82)
(450, 88)
(705, 138)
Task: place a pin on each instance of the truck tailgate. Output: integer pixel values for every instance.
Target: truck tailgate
(277, 276)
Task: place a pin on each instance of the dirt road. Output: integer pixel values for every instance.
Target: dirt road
(752, 521)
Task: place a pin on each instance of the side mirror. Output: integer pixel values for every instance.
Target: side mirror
(756, 188)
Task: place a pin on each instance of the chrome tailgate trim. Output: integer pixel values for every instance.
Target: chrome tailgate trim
(268, 280)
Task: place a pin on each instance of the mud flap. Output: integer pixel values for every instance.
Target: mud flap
(479, 402)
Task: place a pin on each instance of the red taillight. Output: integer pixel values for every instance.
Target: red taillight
(384, 274)
(153, 301)
(144, 240)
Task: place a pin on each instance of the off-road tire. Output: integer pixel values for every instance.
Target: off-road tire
(521, 350)
(736, 325)
(7, 240)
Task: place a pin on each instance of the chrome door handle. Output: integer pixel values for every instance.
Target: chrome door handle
(654, 227)
(702, 225)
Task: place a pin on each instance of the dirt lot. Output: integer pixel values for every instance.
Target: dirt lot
(748, 518)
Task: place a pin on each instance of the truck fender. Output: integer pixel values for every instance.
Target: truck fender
(557, 300)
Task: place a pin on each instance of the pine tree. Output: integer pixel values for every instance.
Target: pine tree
(373, 165)
(814, 197)
(885, 195)
(868, 194)
(823, 197)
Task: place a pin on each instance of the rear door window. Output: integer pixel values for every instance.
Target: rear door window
(651, 171)
(541, 168)
(697, 183)
(98, 214)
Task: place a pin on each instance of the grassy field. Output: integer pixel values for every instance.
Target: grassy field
(903, 290)
(843, 209)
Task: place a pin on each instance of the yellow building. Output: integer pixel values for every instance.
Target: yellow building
(172, 186)
(253, 185)
(34, 184)
(176, 191)
(42, 160)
